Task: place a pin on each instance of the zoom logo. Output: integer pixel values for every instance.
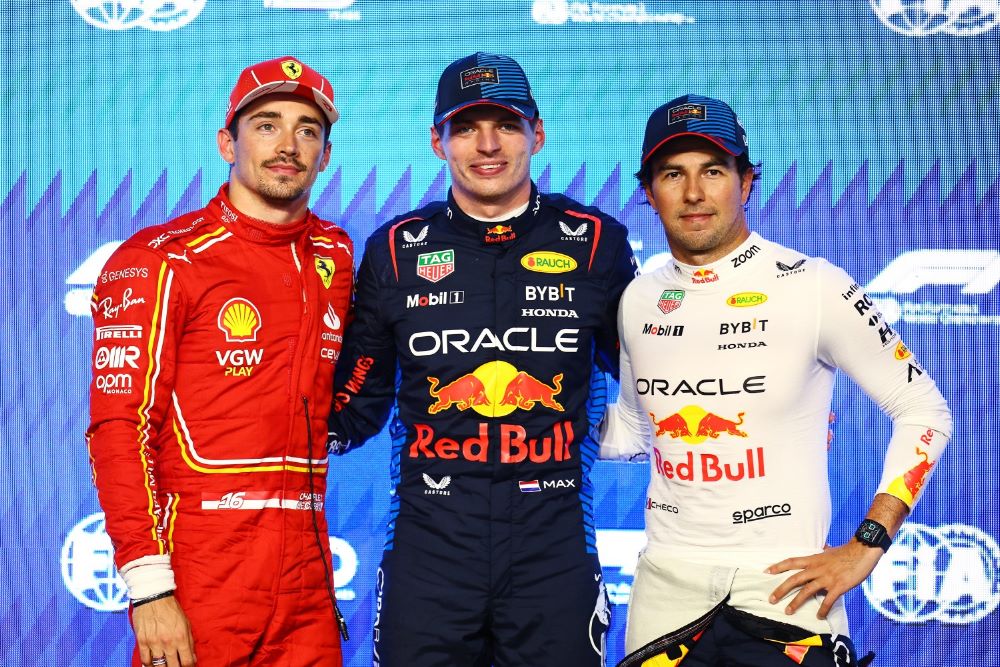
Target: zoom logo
(762, 512)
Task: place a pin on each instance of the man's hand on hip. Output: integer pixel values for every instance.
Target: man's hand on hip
(831, 574)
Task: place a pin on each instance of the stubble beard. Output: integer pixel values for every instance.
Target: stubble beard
(285, 188)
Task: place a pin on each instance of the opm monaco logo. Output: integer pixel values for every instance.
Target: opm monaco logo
(949, 574)
(149, 14)
(976, 272)
(921, 18)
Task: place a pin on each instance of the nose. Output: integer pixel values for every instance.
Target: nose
(693, 190)
(488, 141)
(289, 144)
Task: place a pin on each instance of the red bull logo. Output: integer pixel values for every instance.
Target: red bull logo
(702, 276)
(707, 467)
(907, 486)
(514, 443)
(693, 425)
(499, 234)
(495, 389)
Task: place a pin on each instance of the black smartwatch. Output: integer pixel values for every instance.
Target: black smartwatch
(873, 534)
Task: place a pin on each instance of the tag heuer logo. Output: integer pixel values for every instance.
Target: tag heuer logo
(434, 266)
(670, 301)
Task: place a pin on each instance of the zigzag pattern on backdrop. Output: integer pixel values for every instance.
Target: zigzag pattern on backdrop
(817, 223)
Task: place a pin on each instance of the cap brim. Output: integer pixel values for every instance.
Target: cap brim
(324, 103)
(525, 112)
(715, 140)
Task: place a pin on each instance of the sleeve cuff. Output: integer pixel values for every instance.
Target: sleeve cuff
(148, 576)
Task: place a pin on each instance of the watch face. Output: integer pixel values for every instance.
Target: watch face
(873, 533)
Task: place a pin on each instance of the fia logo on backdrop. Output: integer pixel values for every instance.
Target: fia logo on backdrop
(149, 14)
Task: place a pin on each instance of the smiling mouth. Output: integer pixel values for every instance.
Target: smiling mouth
(489, 168)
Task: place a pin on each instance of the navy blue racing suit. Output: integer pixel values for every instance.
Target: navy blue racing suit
(492, 340)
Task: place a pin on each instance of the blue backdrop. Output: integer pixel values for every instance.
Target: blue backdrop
(875, 122)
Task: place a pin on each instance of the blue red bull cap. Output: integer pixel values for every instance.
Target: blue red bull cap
(698, 116)
(483, 78)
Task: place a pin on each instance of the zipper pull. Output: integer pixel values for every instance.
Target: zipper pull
(341, 623)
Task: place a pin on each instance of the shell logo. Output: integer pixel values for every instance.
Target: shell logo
(239, 320)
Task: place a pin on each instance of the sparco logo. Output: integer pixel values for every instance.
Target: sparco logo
(762, 512)
(516, 339)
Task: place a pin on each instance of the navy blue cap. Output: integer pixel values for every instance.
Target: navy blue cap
(483, 78)
(697, 116)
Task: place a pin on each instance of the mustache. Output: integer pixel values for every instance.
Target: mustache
(278, 160)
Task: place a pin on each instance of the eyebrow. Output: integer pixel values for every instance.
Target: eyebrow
(312, 120)
(718, 162)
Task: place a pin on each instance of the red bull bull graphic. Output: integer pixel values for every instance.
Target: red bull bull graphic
(907, 486)
(495, 389)
(675, 425)
(525, 391)
(514, 444)
(464, 393)
(694, 425)
(712, 426)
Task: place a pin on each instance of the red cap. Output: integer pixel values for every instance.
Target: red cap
(282, 75)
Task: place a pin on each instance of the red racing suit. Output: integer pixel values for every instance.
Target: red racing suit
(215, 341)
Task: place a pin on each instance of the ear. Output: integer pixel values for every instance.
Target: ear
(539, 136)
(437, 143)
(326, 157)
(649, 194)
(746, 184)
(227, 145)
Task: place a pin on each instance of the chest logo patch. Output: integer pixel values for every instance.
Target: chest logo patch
(239, 320)
(434, 266)
(545, 261)
(670, 300)
(325, 268)
(746, 299)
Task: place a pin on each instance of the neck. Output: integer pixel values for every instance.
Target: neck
(274, 211)
(492, 208)
(708, 256)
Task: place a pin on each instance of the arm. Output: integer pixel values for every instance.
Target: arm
(622, 271)
(854, 336)
(137, 308)
(365, 378)
(625, 433)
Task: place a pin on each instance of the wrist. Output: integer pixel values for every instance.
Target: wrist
(148, 576)
(873, 534)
